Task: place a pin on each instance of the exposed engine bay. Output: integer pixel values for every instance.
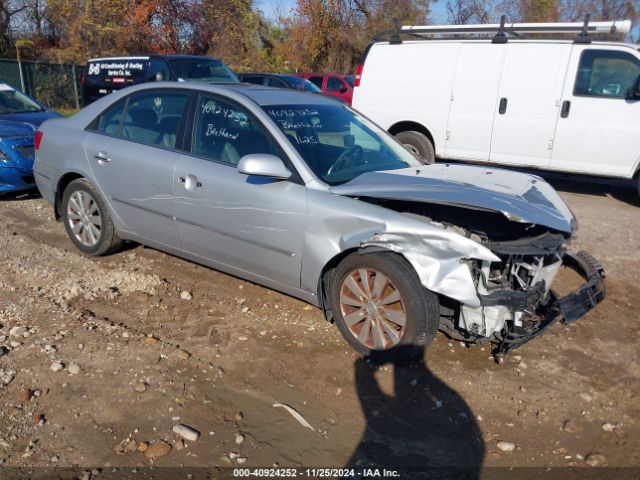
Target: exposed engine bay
(517, 301)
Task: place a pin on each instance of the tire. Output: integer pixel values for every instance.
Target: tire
(418, 144)
(84, 210)
(420, 307)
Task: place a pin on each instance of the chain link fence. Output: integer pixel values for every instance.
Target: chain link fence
(56, 85)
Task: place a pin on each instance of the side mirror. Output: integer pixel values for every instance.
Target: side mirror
(263, 165)
(344, 89)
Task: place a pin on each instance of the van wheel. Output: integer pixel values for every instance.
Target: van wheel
(418, 144)
(381, 308)
(87, 219)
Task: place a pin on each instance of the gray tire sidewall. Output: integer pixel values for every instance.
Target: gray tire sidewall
(106, 228)
(421, 306)
(420, 142)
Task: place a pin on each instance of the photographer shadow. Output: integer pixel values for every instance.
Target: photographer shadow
(423, 430)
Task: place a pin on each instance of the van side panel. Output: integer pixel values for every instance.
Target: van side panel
(530, 90)
(473, 101)
(408, 82)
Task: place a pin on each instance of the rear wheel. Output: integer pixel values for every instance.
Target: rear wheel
(87, 219)
(418, 144)
(381, 308)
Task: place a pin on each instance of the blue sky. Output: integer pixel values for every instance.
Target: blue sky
(272, 8)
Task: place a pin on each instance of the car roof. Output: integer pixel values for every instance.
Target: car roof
(147, 57)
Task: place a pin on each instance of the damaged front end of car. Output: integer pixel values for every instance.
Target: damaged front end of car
(517, 301)
(508, 239)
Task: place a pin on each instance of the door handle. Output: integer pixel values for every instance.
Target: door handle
(566, 108)
(190, 182)
(503, 106)
(102, 157)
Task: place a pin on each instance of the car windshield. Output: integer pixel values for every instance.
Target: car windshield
(350, 79)
(337, 143)
(202, 70)
(12, 101)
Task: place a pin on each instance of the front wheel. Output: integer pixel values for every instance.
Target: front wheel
(87, 219)
(381, 308)
(418, 144)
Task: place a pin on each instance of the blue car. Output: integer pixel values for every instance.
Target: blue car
(20, 116)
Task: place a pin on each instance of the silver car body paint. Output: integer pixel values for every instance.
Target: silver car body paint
(284, 234)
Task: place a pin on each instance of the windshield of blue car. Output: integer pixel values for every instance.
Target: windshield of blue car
(12, 101)
(202, 70)
(337, 143)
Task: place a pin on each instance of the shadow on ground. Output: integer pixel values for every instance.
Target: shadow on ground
(423, 427)
(21, 195)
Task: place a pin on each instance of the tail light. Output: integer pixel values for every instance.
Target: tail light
(356, 81)
(38, 139)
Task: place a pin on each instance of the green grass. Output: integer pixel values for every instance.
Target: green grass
(65, 111)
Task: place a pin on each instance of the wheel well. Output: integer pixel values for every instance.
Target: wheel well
(411, 127)
(66, 179)
(324, 283)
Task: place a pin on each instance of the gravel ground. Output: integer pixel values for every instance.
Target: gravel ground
(104, 362)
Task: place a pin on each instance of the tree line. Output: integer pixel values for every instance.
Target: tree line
(319, 35)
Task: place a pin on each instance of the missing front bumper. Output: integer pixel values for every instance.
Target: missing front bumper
(566, 309)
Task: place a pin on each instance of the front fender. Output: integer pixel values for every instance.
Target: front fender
(337, 224)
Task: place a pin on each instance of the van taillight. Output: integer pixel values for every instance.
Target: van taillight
(38, 139)
(356, 82)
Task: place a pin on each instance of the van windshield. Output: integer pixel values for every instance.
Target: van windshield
(337, 143)
(202, 70)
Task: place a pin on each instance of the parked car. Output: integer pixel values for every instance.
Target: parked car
(278, 80)
(20, 115)
(564, 105)
(102, 76)
(340, 86)
(299, 193)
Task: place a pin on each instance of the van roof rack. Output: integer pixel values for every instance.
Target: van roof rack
(503, 31)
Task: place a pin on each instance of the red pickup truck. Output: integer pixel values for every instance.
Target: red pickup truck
(340, 86)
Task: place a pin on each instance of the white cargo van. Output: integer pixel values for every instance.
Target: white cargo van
(567, 105)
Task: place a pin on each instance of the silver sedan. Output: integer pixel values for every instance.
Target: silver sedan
(302, 194)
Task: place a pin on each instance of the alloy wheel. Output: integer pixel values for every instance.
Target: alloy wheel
(84, 218)
(372, 308)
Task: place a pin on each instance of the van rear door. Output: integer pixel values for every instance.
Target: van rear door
(598, 129)
(528, 103)
(105, 75)
(473, 101)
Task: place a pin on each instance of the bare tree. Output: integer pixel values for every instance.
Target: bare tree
(461, 12)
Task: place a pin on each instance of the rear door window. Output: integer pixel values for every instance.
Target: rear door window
(255, 79)
(153, 118)
(317, 81)
(225, 132)
(276, 82)
(110, 121)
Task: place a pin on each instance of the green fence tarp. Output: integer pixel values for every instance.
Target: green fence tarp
(50, 83)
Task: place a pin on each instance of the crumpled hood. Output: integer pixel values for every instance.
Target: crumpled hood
(520, 197)
(11, 129)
